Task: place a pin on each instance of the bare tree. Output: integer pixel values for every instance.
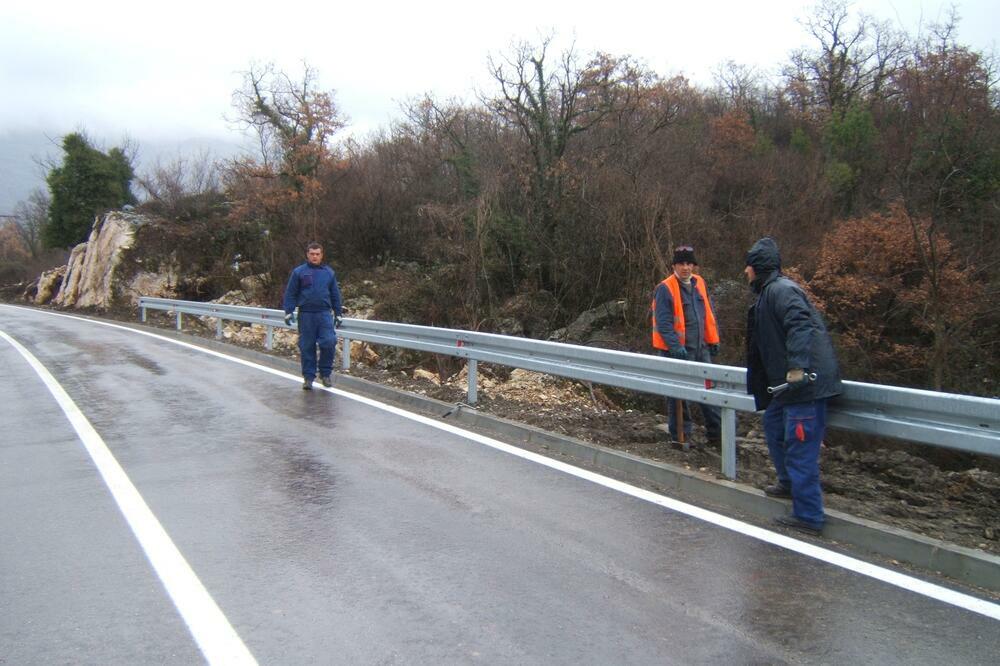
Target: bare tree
(182, 188)
(739, 85)
(467, 142)
(293, 120)
(30, 216)
(852, 62)
(551, 104)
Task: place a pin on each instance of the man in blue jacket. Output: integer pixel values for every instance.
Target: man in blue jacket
(312, 287)
(789, 349)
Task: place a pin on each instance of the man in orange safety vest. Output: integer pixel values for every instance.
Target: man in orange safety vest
(684, 327)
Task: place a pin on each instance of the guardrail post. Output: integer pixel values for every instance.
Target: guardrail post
(142, 315)
(218, 328)
(473, 381)
(728, 442)
(268, 337)
(178, 320)
(345, 353)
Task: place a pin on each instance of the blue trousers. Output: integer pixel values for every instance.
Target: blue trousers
(794, 433)
(316, 330)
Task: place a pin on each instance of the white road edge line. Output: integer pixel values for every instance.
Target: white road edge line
(904, 581)
(216, 638)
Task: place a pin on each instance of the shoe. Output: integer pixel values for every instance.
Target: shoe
(326, 381)
(778, 490)
(307, 383)
(800, 525)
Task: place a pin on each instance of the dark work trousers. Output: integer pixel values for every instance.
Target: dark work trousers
(713, 421)
(316, 330)
(794, 433)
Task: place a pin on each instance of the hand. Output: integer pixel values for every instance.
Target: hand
(289, 318)
(336, 321)
(680, 353)
(713, 350)
(796, 378)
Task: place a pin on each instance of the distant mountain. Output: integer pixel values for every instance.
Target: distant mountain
(19, 174)
(20, 151)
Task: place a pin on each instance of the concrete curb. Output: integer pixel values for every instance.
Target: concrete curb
(967, 565)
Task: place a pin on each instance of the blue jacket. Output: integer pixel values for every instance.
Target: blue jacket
(313, 289)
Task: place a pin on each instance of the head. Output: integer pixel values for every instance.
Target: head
(314, 254)
(762, 259)
(684, 262)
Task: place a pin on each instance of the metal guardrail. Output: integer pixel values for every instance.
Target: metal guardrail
(947, 420)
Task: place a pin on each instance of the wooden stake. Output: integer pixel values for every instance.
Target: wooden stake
(679, 418)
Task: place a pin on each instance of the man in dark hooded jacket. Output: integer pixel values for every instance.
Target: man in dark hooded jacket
(787, 343)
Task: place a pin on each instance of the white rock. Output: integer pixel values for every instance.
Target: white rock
(157, 285)
(363, 353)
(91, 267)
(48, 284)
(420, 373)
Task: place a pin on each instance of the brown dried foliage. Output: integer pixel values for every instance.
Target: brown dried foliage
(898, 299)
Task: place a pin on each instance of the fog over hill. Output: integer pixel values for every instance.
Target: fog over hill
(19, 174)
(23, 152)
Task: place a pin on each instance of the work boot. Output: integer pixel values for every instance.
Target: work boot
(800, 525)
(778, 490)
(307, 383)
(326, 381)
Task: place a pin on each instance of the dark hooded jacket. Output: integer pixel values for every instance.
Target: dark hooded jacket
(784, 331)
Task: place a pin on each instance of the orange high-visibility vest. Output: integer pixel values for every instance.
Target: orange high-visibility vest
(711, 329)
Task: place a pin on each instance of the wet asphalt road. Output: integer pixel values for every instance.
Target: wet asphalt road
(329, 531)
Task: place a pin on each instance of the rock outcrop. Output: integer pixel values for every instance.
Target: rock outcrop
(159, 285)
(585, 327)
(91, 267)
(92, 276)
(527, 315)
(48, 285)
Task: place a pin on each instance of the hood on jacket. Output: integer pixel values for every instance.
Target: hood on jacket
(764, 257)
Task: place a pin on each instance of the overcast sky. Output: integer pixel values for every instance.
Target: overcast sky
(166, 70)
